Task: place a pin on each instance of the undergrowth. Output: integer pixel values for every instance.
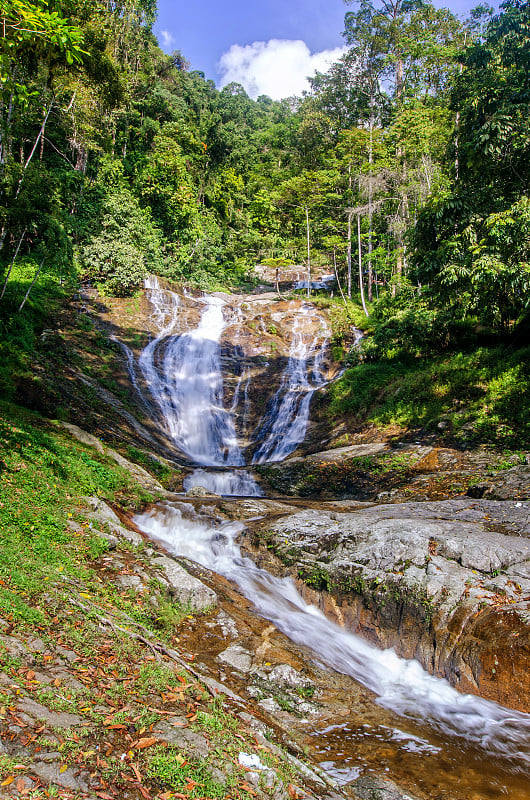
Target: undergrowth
(43, 475)
(479, 396)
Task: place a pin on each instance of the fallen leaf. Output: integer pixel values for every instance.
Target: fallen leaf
(146, 741)
(7, 781)
(63, 768)
(247, 788)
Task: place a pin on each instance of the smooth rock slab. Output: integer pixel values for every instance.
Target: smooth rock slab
(55, 718)
(447, 583)
(185, 587)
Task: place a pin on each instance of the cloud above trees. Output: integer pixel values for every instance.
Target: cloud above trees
(278, 68)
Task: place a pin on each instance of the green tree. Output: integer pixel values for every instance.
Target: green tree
(471, 241)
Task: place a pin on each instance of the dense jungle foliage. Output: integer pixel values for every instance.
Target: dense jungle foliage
(414, 149)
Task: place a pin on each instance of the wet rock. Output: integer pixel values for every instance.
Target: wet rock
(238, 657)
(369, 788)
(285, 675)
(200, 491)
(185, 587)
(424, 578)
(227, 624)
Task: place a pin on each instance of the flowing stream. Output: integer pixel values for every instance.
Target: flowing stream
(400, 685)
(183, 375)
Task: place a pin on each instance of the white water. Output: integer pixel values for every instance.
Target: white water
(285, 424)
(230, 483)
(184, 378)
(400, 685)
(183, 374)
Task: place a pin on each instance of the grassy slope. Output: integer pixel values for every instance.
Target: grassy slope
(54, 585)
(482, 396)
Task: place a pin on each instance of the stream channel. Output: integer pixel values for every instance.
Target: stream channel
(459, 746)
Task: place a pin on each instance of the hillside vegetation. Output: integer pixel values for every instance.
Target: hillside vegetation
(413, 149)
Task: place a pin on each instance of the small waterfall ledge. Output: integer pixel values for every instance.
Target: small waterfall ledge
(211, 381)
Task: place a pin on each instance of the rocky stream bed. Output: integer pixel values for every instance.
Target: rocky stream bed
(419, 549)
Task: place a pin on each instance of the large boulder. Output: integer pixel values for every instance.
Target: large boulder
(445, 582)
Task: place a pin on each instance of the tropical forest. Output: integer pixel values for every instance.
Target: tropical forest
(265, 412)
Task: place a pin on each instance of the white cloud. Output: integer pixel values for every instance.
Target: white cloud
(167, 39)
(278, 68)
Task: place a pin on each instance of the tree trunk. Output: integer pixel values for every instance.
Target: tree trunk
(308, 254)
(27, 163)
(370, 195)
(32, 284)
(361, 287)
(35, 145)
(12, 262)
(349, 255)
(337, 277)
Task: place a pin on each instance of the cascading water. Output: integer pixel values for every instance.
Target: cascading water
(400, 685)
(184, 376)
(235, 483)
(284, 426)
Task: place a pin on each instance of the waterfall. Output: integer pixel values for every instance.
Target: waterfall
(284, 426)
(400, 685)
(183, 374)
(233, 483)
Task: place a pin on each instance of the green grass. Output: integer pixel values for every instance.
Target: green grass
(482, 396)
(43, 476)
(19, 332)
(171, 770)
(163, 472)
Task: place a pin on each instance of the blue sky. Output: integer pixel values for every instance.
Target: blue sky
(210, 32)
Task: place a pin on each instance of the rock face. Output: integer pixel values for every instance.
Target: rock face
(398, 472)
(185, 587)
(445, 582)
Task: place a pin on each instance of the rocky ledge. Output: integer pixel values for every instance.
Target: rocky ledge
(447, 583)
